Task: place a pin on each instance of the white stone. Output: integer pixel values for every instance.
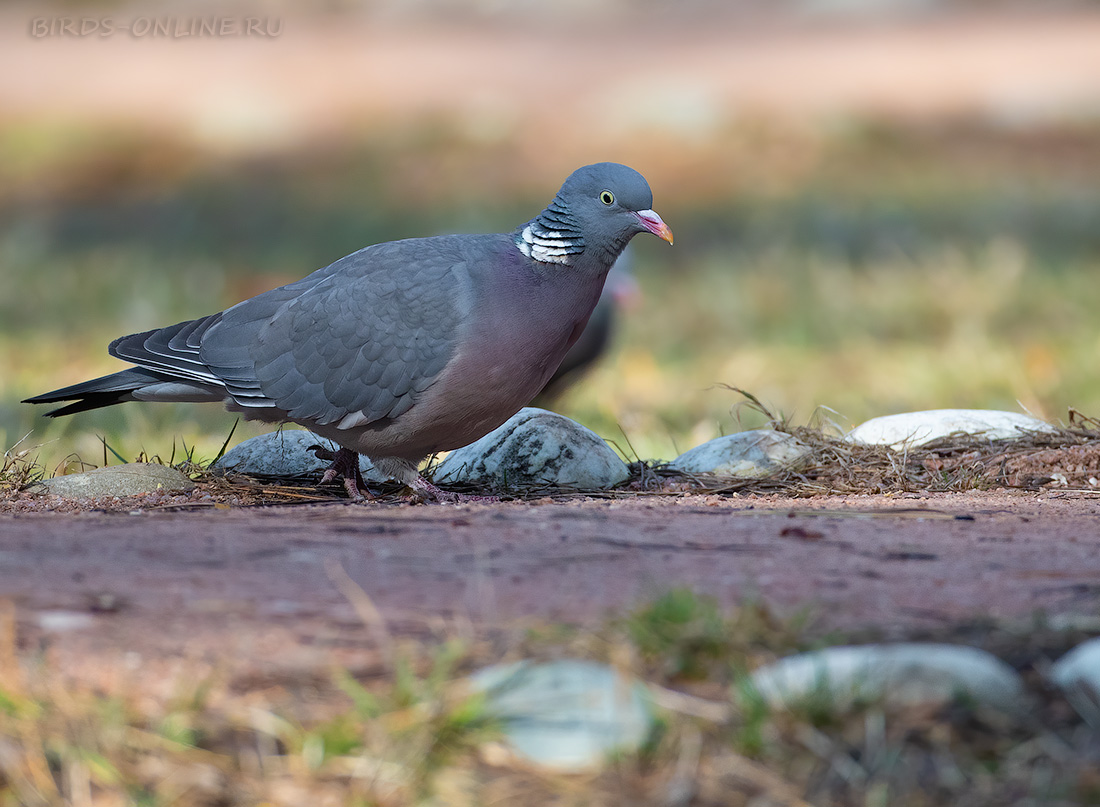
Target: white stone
(130, 479)
(534, 448)
(756, 453)
(896, 674)
(566, 715)
(64, 621)
(912, 429)
(285, 454)
(1077, 674)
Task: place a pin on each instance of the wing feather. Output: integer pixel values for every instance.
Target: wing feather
(357, 340)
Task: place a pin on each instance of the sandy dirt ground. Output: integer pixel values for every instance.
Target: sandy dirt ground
(262, 589)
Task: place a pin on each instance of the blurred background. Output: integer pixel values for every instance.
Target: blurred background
(879, 205)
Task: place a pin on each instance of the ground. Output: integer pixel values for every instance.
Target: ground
(201, 653)
(263, 586)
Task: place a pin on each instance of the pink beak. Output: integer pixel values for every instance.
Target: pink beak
(652, 222)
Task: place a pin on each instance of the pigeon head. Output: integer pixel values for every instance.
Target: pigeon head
(596, 213)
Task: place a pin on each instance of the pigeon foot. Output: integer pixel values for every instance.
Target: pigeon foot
(425, 492)
(345, 463)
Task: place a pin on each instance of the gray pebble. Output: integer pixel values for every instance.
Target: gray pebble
(284, 454)
(535, 448)
(751, 454)
(1077, 674)
(566, 715)
(898, 674)
(117, 480)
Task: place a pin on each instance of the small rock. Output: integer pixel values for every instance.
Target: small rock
(534, 448)
(912, 429)
(566, 715)
(1077, 674)
(897, 674)
(756, 453)
(64, 621)
(285, 454)
(117, 480)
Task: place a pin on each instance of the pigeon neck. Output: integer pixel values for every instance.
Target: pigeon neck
(553, 236)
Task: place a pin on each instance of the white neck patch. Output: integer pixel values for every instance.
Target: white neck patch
(546, 246)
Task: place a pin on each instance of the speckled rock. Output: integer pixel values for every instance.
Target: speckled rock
(117, 480)
(912, 429)
(534, 448)
(755, 453)
(1077, 674)
(566, 715)
(898, 674)
(285, 454)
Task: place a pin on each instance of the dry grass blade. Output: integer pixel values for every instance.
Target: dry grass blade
(18, 469)
(364, 607)
(753, 403)
(777, 789)
(11, 674)
(682, 703)
(683, 785)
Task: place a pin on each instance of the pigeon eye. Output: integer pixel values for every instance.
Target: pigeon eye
(607, 197)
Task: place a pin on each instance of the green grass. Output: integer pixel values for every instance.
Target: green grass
(408, 731)
(70, 744)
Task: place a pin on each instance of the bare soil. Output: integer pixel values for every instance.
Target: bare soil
(257, 589)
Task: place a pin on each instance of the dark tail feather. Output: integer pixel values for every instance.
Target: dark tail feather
(99, 392)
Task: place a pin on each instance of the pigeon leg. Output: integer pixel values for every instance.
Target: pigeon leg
(345, 463)
(425, 491)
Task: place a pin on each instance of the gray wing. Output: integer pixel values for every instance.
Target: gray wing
(363, 336)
